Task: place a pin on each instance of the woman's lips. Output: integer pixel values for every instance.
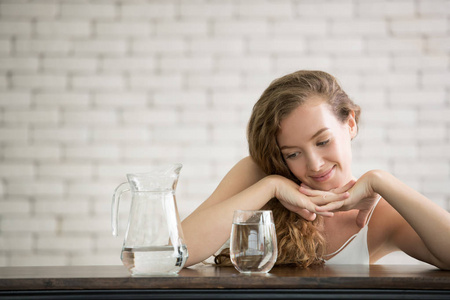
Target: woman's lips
(324, 176)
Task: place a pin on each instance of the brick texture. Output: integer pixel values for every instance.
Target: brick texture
(92, 90)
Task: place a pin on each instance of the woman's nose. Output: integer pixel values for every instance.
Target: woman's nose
(315, 162)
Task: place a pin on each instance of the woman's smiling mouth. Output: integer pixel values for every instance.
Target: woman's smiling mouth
(324, 176)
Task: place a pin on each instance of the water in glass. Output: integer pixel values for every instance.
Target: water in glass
(253, 242)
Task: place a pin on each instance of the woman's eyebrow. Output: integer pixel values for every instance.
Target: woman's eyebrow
(319, 132)
(314, 136)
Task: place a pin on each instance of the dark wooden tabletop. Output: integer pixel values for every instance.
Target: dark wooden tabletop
(411, 277)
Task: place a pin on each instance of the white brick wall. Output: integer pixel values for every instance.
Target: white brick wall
(91, 90)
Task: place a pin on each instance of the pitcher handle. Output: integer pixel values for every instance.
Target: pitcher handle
(123, 187)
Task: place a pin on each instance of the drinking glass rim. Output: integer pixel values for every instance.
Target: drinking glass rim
(242, 216)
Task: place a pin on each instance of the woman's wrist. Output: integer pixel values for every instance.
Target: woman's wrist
(377, 177)
(272, 181)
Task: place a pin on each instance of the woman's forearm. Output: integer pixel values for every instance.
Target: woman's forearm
(206, 230)
(429, 221)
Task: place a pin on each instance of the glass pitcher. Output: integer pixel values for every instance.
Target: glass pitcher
(154, 243)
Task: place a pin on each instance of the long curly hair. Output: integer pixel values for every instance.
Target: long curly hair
(300, 242)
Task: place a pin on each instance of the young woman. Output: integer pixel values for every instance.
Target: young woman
(299, 136)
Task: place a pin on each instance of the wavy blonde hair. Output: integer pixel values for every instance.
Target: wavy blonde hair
(300, 242)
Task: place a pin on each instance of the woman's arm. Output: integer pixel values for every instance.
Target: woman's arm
(428, 220)
(209, 226)
(419, 227)
(245, 187)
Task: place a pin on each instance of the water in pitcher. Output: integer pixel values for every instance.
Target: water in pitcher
(155, 260)
(154, 243)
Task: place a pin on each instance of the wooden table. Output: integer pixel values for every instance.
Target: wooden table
(209, 282)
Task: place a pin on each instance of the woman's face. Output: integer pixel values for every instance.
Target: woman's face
(317, 146)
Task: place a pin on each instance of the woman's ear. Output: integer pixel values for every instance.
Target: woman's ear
(352, 126)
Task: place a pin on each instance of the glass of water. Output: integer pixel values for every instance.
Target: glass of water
(253, 241)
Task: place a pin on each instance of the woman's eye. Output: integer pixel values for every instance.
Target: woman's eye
(323, 143)
(293, 155)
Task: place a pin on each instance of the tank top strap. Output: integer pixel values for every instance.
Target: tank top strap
(356, 234)
(343, 246)
(372, 210)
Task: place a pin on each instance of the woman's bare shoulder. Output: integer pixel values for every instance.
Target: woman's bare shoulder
(250, 165)
(383, 215)
(382, 226)
(244, 173)
(241, 176)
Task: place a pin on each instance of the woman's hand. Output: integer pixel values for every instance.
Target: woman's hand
(289, 195)
(402, 218)
(361, 197)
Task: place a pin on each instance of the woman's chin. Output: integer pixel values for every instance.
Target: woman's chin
(322, 187)
(328, 186)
